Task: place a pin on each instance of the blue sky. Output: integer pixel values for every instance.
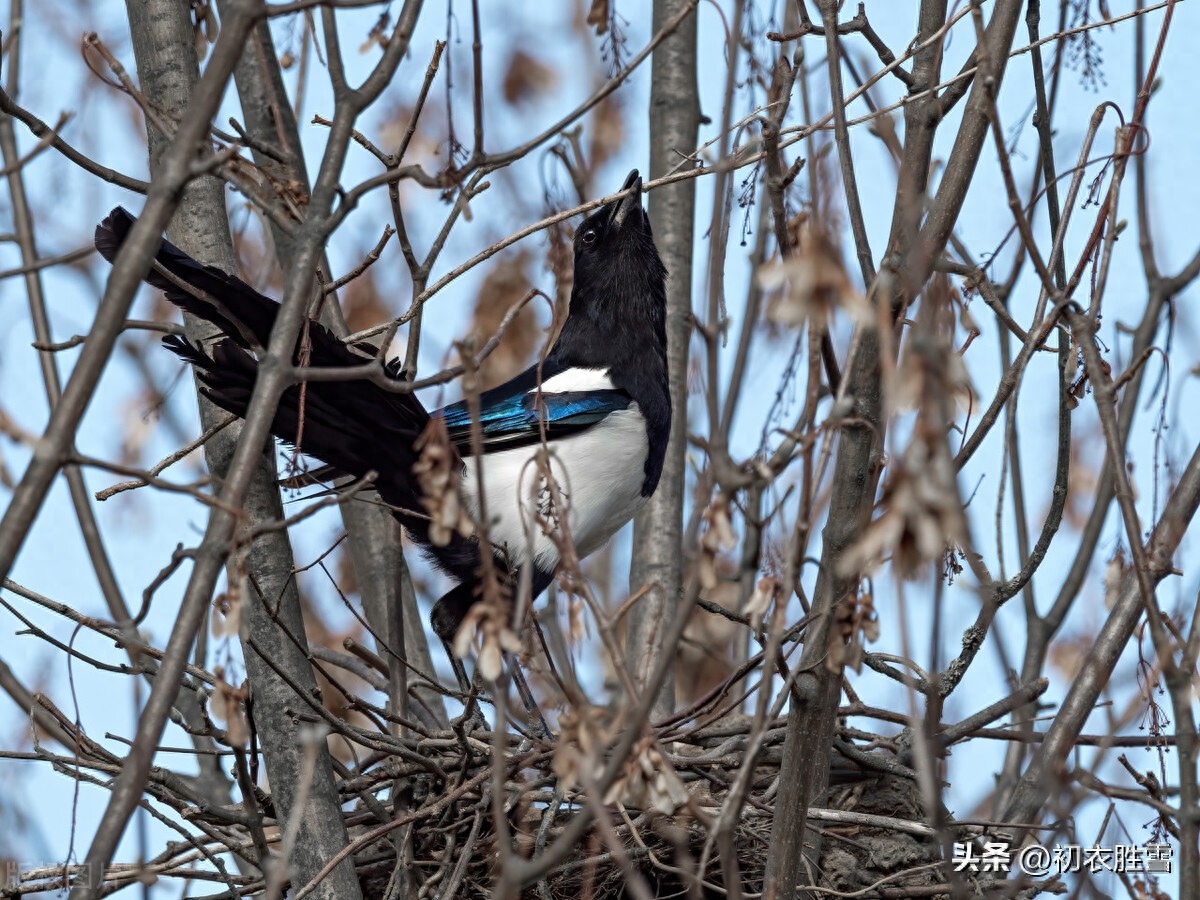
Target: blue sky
(142, 530)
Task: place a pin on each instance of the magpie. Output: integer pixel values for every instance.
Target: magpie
(598, 402)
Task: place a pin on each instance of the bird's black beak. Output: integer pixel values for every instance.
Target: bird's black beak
(630, 202)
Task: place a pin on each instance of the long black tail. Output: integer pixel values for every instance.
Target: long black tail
(355, 426)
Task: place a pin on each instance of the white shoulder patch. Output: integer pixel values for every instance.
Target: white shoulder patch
(578, 380)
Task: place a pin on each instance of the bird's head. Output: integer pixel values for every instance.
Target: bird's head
(617, 267)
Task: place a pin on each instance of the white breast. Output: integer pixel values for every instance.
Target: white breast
(599, 473)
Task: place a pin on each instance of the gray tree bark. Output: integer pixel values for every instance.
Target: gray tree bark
(657, 531)
(804, 772)
(385, 585)
(164, 46)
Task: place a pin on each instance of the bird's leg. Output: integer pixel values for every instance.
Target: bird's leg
(472, 717)
(540, 728)
(447, 618)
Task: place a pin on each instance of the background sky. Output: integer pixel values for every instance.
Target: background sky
(142, 528)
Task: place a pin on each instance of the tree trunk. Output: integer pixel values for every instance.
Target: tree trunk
(657, 531)
(273, 629)
(385, 586)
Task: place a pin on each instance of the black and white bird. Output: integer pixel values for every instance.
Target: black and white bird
(598, 402)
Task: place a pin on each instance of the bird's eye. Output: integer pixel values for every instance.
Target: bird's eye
(589, 237)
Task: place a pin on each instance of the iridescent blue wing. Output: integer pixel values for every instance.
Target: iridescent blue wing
(522, 419)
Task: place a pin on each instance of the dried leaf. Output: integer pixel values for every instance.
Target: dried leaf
(1069, 653)
(608, 131)
(648, 781)
(578, 754)
(1114, 573)
(931, 376)
(362, 303)
(438, 474)
(576, 623)
(921, 517)
(527, 78)
(345, 573)
(1081, 481)
(140, 418)
(505, 285)
(704, 658)
(855, 625)
(765, 593)
(486, 629)
(426, 142)
(229, 706)
(717, 536)
(491, 661)
(598, 16)
(228, 619)
(811, 283)
(377, 36)
(204, 26)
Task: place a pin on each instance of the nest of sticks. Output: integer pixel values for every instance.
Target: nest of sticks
(466, 808)
(868, 838)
